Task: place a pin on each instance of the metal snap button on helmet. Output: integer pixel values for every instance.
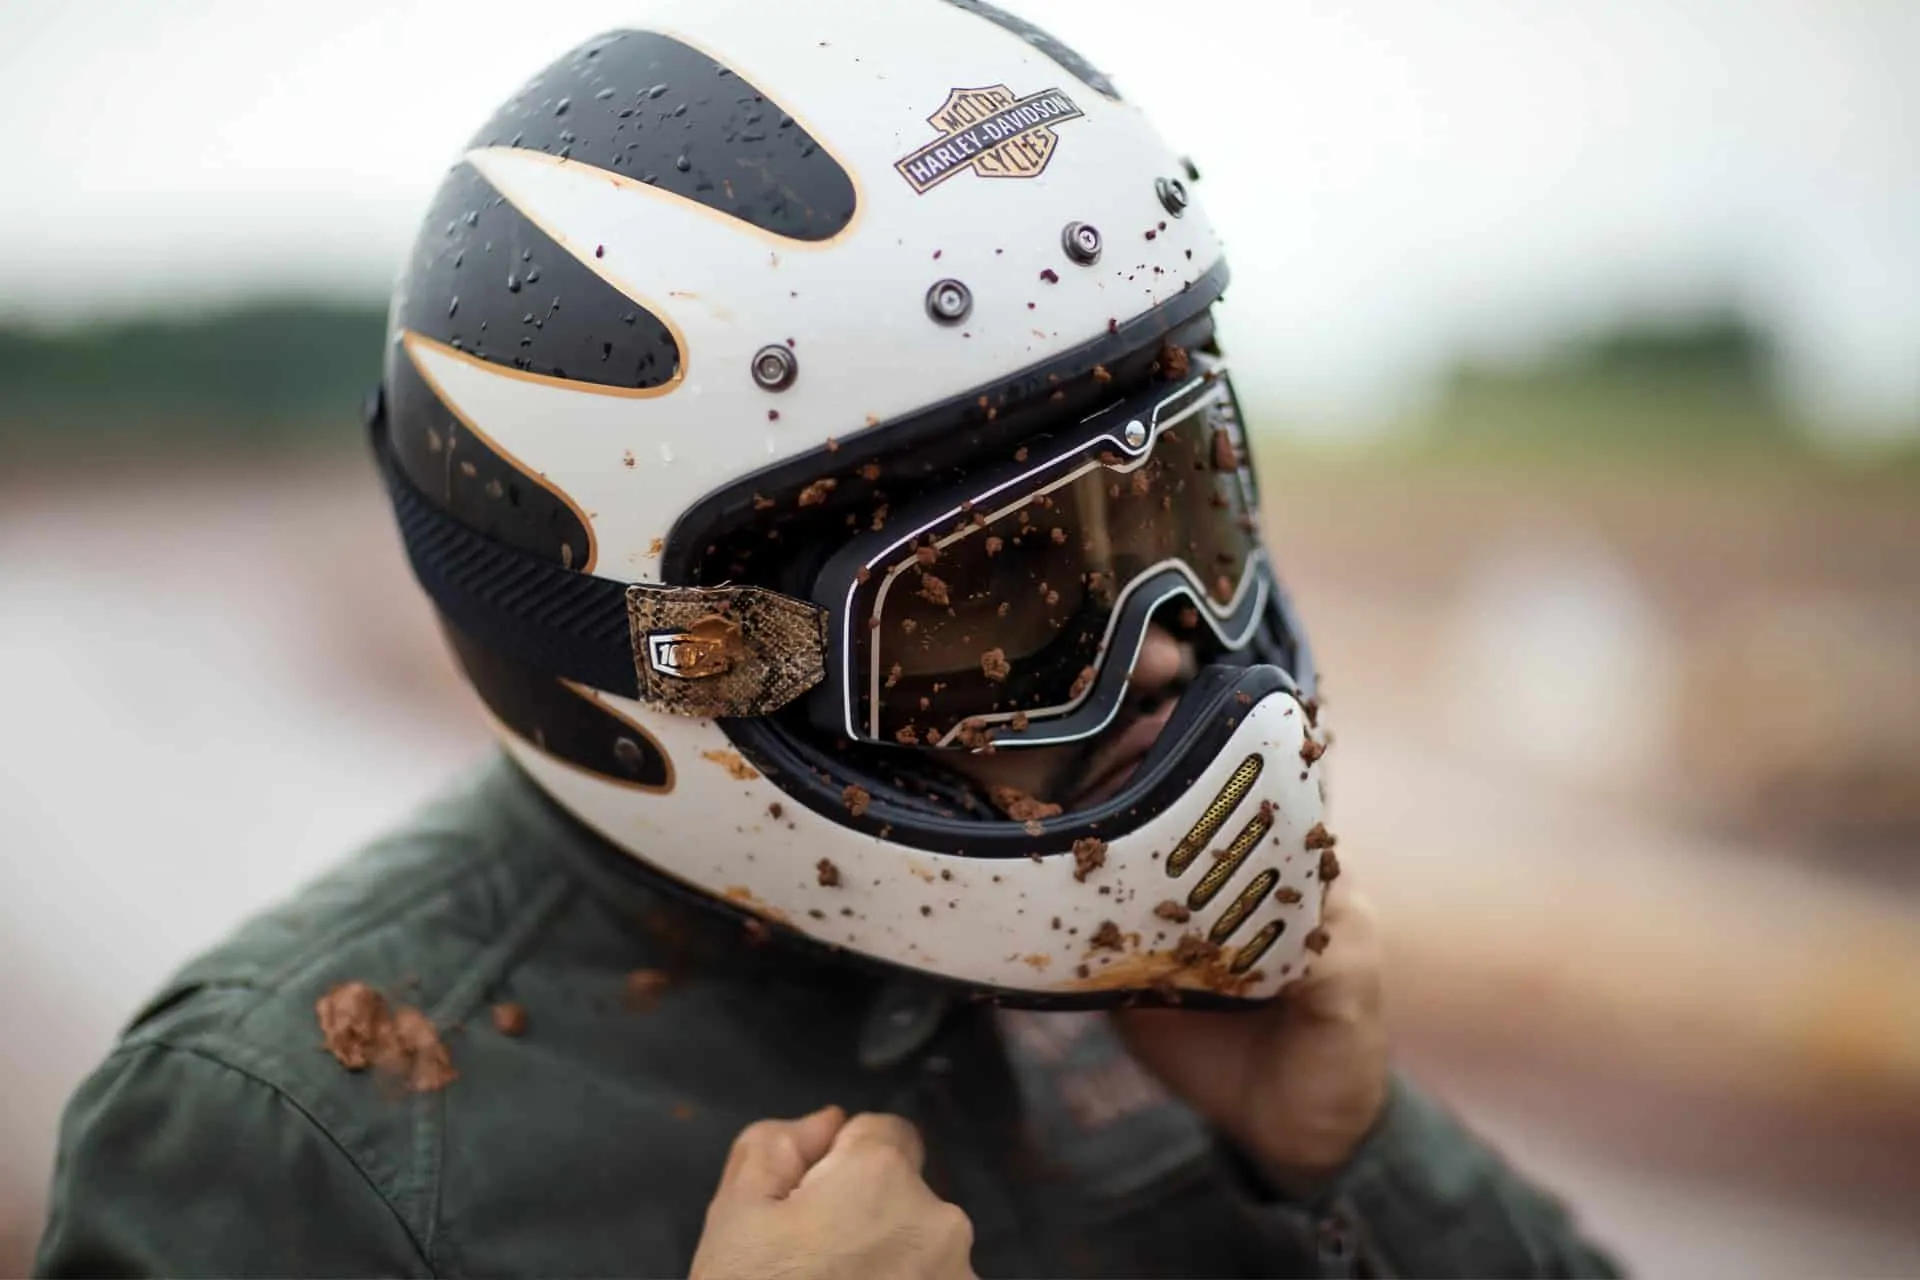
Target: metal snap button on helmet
(949, 301)
(774, 367)
(1082, 242)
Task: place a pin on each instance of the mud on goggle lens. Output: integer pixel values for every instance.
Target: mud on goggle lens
(1010, 607)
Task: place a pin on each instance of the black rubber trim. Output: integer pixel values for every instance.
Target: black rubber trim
(732, 506)
(1207, 715)
(523, 606)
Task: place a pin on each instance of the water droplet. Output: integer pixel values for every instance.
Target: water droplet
(679, 111)
(656, 91)
(513, 283)
(560, 107)
(454, 305)
(603, 95)
(533, 275)
(683, 164)
(473, 219)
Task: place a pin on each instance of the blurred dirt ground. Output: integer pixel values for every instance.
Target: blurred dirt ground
(1629, 757)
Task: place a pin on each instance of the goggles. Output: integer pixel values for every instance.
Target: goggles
(1011, 607)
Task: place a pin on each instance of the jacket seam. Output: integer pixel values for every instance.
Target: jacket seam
(292, 1104)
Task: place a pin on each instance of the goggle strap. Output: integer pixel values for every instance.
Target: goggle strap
(724, 651)
(693, 651)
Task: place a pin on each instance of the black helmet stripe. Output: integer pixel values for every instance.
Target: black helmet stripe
(485, 280)
(463, 473)
(564, 722)
(655, 109)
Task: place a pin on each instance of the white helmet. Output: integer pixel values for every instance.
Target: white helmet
(782, 398)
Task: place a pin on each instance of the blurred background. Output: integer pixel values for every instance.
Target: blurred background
(1583, 345)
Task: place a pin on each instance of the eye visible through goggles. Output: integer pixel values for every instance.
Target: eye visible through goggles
(1011, 607)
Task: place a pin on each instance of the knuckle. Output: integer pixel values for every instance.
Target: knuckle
(951, 1226)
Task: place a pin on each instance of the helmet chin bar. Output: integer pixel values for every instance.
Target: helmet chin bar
(1202, 884)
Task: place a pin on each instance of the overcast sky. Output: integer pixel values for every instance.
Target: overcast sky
(1399, 181)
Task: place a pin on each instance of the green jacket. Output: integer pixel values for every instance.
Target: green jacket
(221, 1137)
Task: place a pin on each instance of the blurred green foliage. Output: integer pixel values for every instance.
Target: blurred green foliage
(273, 372)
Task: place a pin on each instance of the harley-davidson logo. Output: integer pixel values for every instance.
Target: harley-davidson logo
(992, 132)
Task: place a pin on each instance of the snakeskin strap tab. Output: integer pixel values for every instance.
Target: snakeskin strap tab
(724, 651)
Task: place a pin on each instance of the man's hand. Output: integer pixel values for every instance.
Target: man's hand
(1300, 1082)
(825, 1197)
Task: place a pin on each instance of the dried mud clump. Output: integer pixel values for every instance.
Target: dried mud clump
(510, 1019)
(1193, 950)
(933, 590)
(1082, 682)
(974, 734)
(815, 494)
(1107, 937)
(1317, 939)
(1311, 750)
(1318, 837)
(1089, 855)
(1173, 361)
(1171, 910)
(829, 873)
(1020, 806)
(645, 987)
(856, 799)
(994, 665)
(1287, 895)
(1329, 866)
(362, 1030)
(1225, 456)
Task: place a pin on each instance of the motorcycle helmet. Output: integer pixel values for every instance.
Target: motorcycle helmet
(785, 404)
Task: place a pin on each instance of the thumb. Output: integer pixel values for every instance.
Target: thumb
(769, 1157)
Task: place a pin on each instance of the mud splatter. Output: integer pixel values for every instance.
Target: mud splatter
(1089, 855)
(645, 987)
(1020, 806)
(733, 762)
(362, 1030)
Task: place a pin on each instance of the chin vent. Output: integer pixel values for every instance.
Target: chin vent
(1244, 959)
(1250, 897)
(1216, 815)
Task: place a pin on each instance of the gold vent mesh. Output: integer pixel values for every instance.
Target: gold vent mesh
(1244, 959)
(1216, 815)
(1229, 861)
(1242, 907)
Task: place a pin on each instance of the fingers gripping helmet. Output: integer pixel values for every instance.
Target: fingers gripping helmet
(782, 401)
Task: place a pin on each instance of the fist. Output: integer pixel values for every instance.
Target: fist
(825, 1197)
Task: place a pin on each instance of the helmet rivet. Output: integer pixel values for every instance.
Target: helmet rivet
(774, 367)
(949, 301)
(1172, 193)
(1135, 434)
(1081, 240)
